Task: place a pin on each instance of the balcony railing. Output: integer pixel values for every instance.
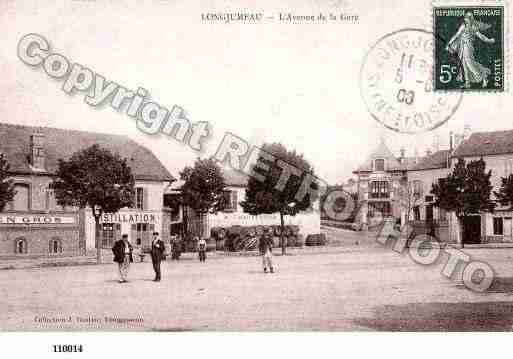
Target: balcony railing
(375, 195)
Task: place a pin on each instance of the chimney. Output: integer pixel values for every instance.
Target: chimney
(402, 156)
(450, 141)
(37, 151)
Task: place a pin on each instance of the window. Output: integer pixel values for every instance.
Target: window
(107, 234)
(21, 201)
(379, 165)
(229, 201)
(417, 188)
(442, 214)
(429, 213)
(416, 213)
(428, 199)
(20, 246)
(139, 198)
(379, 208)
(55, 246)
(498, 226)
(379, 189)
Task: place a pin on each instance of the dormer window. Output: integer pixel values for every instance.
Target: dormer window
(379, 164)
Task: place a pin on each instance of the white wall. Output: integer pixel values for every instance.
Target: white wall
(308, 222)
(155, 202)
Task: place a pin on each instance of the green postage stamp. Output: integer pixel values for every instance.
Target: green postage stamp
(469, 48)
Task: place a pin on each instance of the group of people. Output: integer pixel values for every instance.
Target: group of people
(123, 254)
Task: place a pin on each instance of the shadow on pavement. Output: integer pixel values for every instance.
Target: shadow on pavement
(501, 285)
(479, 316)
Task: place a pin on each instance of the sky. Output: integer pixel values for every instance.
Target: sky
(294, 83)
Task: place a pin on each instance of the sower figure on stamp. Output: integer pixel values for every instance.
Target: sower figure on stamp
(202, 249)
(462, 44)
(265, 246)
(157, 255)
(123, 251)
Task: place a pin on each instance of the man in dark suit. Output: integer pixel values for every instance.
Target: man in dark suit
(157, 255)
(123, 250)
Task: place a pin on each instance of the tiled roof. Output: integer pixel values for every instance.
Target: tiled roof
(486, 143)
(433, 161)
(391, 162)
(60, 143)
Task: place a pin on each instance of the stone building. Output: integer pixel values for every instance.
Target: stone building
(380, 179)
(33, 224)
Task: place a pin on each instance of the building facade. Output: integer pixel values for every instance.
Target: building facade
(423, 215)
(33, 224)
(381, 179)
(496, 149)
(309, 221)
(380, 185)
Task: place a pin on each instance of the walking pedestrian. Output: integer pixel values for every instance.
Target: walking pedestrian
(265, 246)
(202, 249)
(123, 251)
(175, 247)
(157, 255)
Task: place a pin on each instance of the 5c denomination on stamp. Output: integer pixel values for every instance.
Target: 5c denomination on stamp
(469, 48)
(396, 83)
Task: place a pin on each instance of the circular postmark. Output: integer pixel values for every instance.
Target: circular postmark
(396, 83)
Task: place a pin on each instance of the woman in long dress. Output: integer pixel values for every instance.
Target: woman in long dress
(462, 44)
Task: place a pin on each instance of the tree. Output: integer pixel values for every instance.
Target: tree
(263, 196)
(204, 186)
(97, 179)
(466, 191)
(505, 194)
(409, 197)
(7, 191)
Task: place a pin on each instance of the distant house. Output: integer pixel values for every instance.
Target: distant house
(33, 224)
(421, 176)
(496, 149)
(309, 222)
(379, 180)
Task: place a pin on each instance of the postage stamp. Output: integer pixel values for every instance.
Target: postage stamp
(469, 48)
(396, 83)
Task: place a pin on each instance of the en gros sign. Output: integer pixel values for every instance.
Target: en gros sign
(35, 219)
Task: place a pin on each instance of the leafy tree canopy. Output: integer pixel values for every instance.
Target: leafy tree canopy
(466, 190)
(96, 178)
(204, 186)
(505, 193)
(7, 191)
(265, 197)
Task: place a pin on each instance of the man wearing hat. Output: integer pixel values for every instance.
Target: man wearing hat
(123, 250)
(157, 255)
(265, 246)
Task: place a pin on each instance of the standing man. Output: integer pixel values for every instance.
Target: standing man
(202, 249)
(123, 250)
(265, 246)
(157, 254)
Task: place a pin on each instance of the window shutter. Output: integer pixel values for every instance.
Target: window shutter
(234, 200)
(145, 198)
(50, 245)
